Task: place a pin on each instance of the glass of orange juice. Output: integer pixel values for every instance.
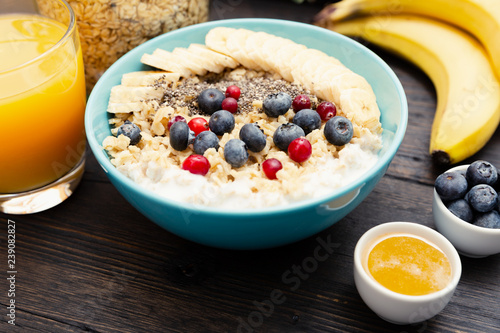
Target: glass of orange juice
(42, 104)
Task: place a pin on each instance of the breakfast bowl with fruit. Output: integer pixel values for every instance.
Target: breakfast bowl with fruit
(246, 133)
(466, 208)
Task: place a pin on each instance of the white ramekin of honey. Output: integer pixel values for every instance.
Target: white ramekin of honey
(405, 272)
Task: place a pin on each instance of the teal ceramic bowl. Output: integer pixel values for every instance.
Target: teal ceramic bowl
(259, 228)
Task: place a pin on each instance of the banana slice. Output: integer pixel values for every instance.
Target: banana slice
(150, 60)
(316, 74)
(124, 99)
(254, 45)
(270, 49)
(285, 54)
(304, 65)
(147, 78)
(197, 59)
(347, 81)
(124, 107)
(177, 64)
(125, 94)
(164, 63)
(203, 55)
(236, 45)
(194, 63)
(323, 89)
(306, 54)
(300, 58)
(360, 106)
(215, 57)
(301, 74)
(216, 39)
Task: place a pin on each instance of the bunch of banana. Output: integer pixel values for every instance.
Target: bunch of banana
(455, 42)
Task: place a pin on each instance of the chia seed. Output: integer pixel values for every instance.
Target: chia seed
(252, 89)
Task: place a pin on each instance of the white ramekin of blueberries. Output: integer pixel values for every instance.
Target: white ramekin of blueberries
(466, 208)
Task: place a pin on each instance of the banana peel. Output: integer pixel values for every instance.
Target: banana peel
(468, 91)
(481, 18)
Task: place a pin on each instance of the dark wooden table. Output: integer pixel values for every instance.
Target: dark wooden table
(94, 264)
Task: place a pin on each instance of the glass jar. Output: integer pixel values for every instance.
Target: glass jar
(110, 28)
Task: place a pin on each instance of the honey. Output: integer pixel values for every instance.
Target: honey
(409, 265)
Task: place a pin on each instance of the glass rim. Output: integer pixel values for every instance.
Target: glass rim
(70, 30)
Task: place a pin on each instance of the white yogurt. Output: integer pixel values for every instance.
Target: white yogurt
(180, 185)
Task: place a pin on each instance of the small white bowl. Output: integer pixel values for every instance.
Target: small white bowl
(394, 307)
(469, 240)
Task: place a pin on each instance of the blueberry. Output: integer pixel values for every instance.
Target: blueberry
(180, 135)
(253, 136)
(210, 100)
(285, 134)
(463, 172)
(481, 172)
(338, 130)
(451, 185)
(204, 141)
(235, 153)
(130, 130)
(461, 209)
(488, 220)
(308, 120)
(221, 122)
(496, 185)
(275, 105)
(482, 198)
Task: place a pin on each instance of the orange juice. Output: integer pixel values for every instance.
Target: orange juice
(42, 102)
(409, 265)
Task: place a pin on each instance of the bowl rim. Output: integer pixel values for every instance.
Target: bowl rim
(396, 227)
(381, 163)
(469, 227)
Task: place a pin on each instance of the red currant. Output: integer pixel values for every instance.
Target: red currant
(233, 91)
(271, 167)
(198, 125)
(230, 104)
(300, 150)
(326, 110)
(301, 102)
(196, 164)
(174, 120)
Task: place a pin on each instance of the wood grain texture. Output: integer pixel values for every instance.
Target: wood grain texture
(94, 264)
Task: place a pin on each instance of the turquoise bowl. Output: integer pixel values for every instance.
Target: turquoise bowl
(267, 227)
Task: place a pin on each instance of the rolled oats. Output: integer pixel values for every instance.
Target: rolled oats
(110, 28)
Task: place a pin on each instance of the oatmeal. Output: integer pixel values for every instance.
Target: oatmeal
(234, 177)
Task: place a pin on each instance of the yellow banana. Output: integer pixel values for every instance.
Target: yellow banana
(481, 18)
(468, 92)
